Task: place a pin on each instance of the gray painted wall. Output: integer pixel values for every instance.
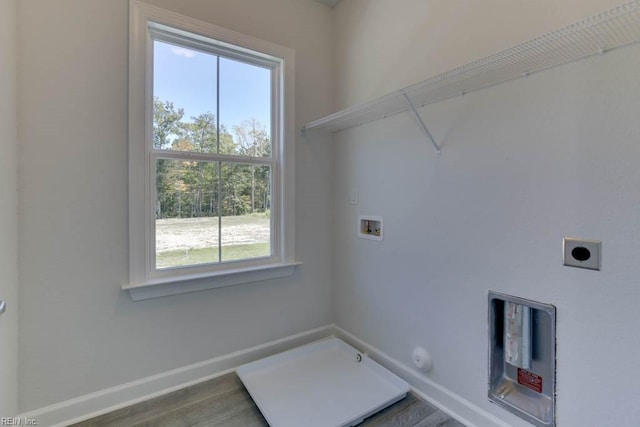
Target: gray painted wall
(523, 165)
(79, 332)
(8, 210)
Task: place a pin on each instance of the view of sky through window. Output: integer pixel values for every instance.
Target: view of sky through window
(187, 78)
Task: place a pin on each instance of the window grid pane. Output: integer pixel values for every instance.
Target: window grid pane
(211, 206)
(246, 211)
(185, 94)
(186, 225)
(211, 212)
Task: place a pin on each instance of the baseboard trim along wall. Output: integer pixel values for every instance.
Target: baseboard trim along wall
(113, 398)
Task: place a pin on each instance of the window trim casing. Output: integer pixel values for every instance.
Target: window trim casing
(144, 282)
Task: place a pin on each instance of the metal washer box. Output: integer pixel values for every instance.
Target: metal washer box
(531, 393)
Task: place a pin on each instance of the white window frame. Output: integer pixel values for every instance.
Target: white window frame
(145, 280)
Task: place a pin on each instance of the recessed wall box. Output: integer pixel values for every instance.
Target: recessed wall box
(522, 357)
(370, 227)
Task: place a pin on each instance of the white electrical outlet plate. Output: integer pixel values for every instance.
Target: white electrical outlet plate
(581, 253)
(354, 196)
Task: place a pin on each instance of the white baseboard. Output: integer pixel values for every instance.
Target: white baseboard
(113, 398)
(454, 405)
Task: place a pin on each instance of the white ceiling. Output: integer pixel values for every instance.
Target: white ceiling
(329, 3)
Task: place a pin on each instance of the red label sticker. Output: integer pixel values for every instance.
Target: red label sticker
(530, 380)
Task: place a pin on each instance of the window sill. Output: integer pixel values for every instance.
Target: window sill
(157, 288)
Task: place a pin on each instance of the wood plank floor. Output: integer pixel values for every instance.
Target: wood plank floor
(224, 402)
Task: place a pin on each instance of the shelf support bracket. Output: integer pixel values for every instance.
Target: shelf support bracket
(421, 124)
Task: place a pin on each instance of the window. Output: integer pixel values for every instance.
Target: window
(211, 140)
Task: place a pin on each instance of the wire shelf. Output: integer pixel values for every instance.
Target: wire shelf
(608, 30)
